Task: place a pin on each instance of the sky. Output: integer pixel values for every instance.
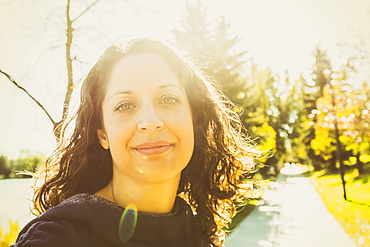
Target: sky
(280, 34)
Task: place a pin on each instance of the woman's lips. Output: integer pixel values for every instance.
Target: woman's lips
(153, 148)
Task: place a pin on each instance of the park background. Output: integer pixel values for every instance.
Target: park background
(299, 71)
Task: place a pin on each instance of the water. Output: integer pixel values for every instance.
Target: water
(15, 204)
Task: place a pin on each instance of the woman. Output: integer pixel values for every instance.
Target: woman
(158, 157)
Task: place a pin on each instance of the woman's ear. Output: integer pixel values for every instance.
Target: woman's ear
(103, 140)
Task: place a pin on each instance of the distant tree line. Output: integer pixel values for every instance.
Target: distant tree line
(21, 167)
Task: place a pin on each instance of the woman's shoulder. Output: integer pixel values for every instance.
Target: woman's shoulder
(88, 220)
(51, 233)
(74, 222)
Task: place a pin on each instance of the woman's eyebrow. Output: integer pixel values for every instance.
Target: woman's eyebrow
(120, 93)
(170, 85)
(162, 87)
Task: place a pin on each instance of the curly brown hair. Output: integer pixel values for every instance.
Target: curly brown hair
(213, 183)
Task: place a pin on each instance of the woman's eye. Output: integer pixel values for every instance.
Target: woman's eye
(169, 99)
(124, 106)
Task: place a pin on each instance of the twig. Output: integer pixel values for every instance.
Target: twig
(87, 9)
(23, 89)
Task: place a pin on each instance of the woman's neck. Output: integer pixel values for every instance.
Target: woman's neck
(153, 197)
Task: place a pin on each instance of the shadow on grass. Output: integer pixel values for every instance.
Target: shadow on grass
(361, 178)
(358, 203)
(241, 215)
(307, 174)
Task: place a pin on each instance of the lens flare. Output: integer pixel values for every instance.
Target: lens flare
(127, 223)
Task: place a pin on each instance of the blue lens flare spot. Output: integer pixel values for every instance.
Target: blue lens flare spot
(127, 223)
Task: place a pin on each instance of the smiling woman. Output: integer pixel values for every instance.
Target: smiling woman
(147, 127)
(158, 157)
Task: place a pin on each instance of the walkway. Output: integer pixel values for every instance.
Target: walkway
(291, 214)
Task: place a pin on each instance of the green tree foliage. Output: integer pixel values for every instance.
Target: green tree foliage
(285, 115)
(295, 126)
(312, 89)
(213, 48)
(270, 103)
(351, 96)
(353, 117)
(259, 112)
(26, 162)
(277, 102)
(4, 167)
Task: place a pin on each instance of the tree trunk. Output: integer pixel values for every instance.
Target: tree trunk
(359, 165)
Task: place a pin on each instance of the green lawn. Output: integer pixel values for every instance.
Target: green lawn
(353, 214)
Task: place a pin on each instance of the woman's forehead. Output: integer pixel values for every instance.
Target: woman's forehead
(141, 71)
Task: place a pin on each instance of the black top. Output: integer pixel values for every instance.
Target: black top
(87, 220)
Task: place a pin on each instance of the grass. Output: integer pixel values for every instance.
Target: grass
(353, 214)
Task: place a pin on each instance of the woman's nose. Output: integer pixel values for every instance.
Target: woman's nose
(149, 120)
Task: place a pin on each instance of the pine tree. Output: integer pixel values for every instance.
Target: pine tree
(212, 47)
(313, 89)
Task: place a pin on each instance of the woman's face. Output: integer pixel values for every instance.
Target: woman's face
(147, 123)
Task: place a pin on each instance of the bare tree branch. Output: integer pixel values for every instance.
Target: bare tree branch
(23, 89)
(69, 60)
(83, 12)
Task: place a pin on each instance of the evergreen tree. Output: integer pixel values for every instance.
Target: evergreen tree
(194, 34)
(313, 89)
(212, 47)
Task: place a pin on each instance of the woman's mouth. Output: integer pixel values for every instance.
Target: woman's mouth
(153, 148)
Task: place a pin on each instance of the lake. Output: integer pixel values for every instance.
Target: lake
(15, 204)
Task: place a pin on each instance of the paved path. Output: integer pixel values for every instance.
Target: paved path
(291, 214)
